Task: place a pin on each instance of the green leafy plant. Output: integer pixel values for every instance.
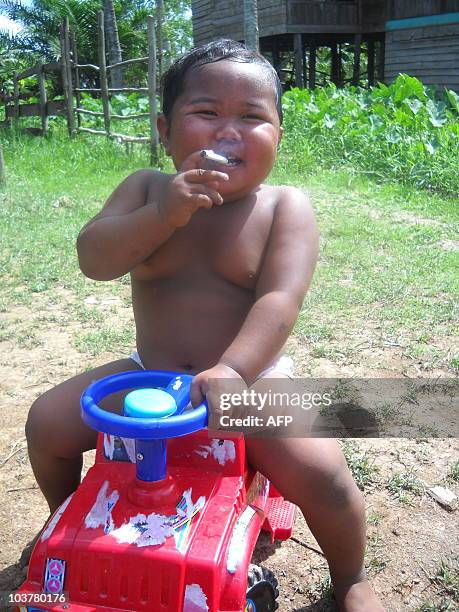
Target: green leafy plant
(401, 132)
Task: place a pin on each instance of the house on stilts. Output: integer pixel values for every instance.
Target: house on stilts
(384, 38)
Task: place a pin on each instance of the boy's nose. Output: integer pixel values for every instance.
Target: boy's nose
(227, 130)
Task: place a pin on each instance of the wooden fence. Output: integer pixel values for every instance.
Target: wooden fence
(44, 108)
(70, 71)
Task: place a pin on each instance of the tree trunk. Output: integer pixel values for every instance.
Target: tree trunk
(113, 43)
(251, 24)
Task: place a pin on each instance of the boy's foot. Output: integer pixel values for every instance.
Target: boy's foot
(358, 597)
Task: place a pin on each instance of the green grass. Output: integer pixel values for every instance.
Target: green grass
(383, 278)
(382, 265)
(362, 467)
(445, 581)
(453, 473)
(404, 487)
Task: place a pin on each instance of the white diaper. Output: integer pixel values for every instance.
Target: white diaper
(284, 365)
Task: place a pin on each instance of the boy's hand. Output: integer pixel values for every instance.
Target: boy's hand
(191, 188)
(212, 383)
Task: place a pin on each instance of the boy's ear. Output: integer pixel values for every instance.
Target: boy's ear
(163, 130)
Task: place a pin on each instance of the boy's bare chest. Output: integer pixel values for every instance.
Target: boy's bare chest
(227, 242)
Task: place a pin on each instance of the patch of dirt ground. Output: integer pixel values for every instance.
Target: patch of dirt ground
(412, 540)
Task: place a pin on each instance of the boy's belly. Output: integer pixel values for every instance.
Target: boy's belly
(187, 326)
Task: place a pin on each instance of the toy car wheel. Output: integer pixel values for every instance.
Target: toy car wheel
(262, 590)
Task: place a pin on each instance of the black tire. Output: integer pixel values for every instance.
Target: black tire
(262, 590)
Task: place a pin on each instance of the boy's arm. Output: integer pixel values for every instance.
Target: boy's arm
(142, 214)
(286, 274)
(125, 231)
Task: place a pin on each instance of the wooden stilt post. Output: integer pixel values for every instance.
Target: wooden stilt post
(340, 66)
(312, 64)
(103, 71)
(356, 68)
(276, 55)
(334, 64)
(305, 62)
(381, 60)
(152, 92)
(77, 74)
(371, 63)
(43, 98)
(299, 61)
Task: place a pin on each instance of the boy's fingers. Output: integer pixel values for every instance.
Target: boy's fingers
(199, 175)
(209, 192)
(203, 201)
(196, 393)
(191, 162)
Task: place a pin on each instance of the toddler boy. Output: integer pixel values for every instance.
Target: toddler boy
(220, 263)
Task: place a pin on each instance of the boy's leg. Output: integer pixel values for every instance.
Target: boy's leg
(313, 474)
(57, 436)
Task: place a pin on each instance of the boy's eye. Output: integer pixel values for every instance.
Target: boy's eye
(208, 112)
(254, 117)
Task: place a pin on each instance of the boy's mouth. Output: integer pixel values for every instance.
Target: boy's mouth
(223, 158)
(232, 160)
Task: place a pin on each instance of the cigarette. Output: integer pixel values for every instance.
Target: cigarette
(215, 157)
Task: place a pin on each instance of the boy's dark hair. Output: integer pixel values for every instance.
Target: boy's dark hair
(173, 79)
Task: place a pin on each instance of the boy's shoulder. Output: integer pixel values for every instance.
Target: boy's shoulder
(146, 176)
(288, 198)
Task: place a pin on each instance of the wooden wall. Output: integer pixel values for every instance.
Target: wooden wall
(312, 15)
(223, 18)
(401, 9)
(430, 54)
(374, 15)
(203, 30)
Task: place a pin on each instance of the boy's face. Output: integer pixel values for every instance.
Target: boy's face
(229, 107)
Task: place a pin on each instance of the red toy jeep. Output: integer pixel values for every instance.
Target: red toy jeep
(167, 518)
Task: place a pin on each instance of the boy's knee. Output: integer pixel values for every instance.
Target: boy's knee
(38, 423)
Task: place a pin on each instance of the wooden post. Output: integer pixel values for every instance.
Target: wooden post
(103, 71)
(371, 63)
(251, 25)
(299, 59)
(340, 66)
(152, 91)
(67, 87)
(2, 165)
(381, 60)
(356, 69)
(312, 64)
(43, 98)
(159, 43)
(77, 75)
(276, 55)
(334, 76)
(16, 98)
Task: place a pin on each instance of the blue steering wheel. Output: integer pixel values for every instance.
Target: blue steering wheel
(156, 422)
